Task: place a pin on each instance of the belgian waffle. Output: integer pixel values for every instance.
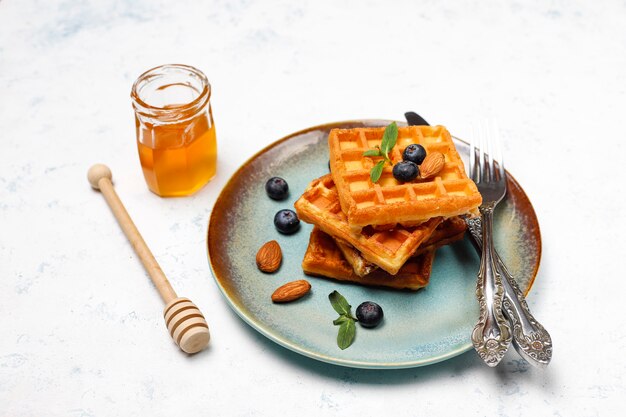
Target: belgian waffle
(389, 202)
(389, 249)
(323, 258)
(449, 231)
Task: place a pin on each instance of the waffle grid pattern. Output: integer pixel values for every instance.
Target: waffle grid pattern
(449, 231)
(389, 249)
(389, 201)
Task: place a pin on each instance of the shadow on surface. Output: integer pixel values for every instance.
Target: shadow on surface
(512, 371)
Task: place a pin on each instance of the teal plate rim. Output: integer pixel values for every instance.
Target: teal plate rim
(270, 334)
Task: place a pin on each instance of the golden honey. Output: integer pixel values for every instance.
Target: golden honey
(175, 131)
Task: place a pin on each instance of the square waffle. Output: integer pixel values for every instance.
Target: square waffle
(449, 231)
(389, 249)
(389, 202)
(323, 258)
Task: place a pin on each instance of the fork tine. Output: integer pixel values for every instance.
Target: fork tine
(481, 152)
(499, 151)
(490, 150)
(472, 155)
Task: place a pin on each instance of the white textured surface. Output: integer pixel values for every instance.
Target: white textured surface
(81, 331)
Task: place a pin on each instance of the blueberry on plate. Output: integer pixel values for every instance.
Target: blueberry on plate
(405, 171)
(277, 188)
(414, 153)
(369, 314)
(286, 221)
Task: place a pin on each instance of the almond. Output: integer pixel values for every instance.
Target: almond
(291, 291)
(268, 258)
(432, 164)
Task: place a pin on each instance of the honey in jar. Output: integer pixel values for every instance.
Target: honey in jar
(175, 131)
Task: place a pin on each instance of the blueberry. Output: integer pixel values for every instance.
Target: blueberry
(369, 314)
(405, 171)
(414, 153)
(286, 221)
(277, 188)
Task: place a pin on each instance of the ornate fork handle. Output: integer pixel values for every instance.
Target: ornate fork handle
(530, 338)
(491, 336)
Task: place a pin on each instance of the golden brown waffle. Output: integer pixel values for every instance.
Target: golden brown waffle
(389, 202)
(323, 258)
(388, 249)
(360, 265)
(449, 231)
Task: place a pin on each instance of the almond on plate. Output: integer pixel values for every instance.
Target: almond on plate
(291, 291)
(269, 257)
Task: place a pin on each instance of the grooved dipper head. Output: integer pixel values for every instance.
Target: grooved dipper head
(186, 325)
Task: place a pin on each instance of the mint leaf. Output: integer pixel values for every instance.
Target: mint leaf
(346, 334)
(339, 303)
(389, 139)
(377, 171)
(345, 321)
(373, 152)
(341, 319)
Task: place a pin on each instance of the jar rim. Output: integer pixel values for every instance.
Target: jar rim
(205, 94)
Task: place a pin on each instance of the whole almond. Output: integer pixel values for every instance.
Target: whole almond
(268, 258)
(291, 291)
(432, 164)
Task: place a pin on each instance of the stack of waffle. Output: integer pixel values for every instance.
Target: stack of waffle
(384, 233)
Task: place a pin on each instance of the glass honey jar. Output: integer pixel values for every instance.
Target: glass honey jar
(175, 131)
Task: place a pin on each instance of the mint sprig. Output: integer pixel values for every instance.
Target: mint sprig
(390, 137)
(377, 171)
(345, 321)
(346, 334)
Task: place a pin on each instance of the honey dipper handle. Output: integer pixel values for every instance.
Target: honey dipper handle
(100, 178)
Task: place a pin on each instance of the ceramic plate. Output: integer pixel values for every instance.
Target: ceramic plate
(419, 328)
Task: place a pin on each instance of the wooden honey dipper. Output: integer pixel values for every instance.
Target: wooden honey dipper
(183, 319)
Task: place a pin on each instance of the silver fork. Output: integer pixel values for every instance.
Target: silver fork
(531, 340)
(491, 336)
